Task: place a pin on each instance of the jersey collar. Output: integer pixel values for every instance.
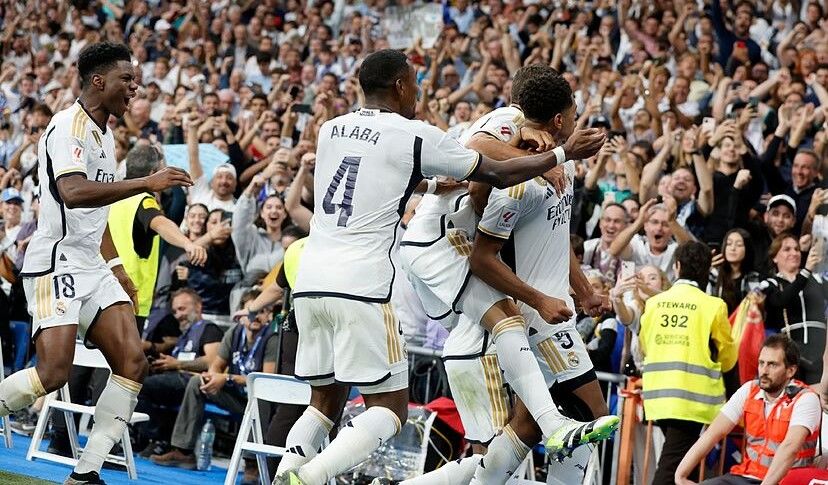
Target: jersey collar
(102, 128)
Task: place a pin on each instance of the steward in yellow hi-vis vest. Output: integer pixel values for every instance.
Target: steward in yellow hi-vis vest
(685, 337)
(682, 380)
(139, 255)
(137, 226)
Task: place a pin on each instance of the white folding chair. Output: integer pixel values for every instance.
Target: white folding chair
(4, 421)
(61, 401)
(275, 388)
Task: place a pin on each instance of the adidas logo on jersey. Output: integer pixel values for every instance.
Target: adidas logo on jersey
(103, 155)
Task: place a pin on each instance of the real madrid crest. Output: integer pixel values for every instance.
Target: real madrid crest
(573, 359)
(60, 308)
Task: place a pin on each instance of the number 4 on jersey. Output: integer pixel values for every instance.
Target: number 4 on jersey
(348, 169)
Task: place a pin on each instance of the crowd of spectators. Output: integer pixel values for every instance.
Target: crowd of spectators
(716, 114)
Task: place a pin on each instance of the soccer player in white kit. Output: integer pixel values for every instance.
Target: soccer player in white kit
(471, 364)
(522, 248)
(368, 164)
(74, 282)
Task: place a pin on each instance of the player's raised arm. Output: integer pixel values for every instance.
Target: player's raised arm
(77, 191)
(501, 174)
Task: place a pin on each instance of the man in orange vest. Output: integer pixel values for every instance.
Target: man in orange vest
(781, 418)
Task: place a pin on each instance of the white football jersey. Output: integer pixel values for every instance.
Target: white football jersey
(72, 144)
(367, 166)
(538, 220)
(426, 226)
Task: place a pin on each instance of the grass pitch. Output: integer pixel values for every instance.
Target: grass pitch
(7, 478)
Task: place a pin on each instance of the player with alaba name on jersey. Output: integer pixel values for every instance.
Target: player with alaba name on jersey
(368, 164)
(74, 282)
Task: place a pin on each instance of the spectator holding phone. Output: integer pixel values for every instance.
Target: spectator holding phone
(795, 301)
(731, 273)
(215, 279)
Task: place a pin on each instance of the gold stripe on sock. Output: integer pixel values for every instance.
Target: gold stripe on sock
(509, 323)
(34, 381)
(321, 417)
(128, 384)
(518, 447)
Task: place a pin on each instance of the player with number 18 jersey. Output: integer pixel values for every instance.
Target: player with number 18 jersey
(65, 279)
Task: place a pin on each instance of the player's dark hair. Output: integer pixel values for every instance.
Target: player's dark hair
(259, 96)
(783, 342)
(381, 70)
(694, 260)
(141, 161)
(294, 231)
(100, 58)
(541, 92)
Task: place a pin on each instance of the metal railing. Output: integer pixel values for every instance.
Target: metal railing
(606, 378)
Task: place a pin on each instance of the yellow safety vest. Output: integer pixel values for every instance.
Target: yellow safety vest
(291, 260)
(142, 271)
(680, 379)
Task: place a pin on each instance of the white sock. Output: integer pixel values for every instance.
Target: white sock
(354, 443)
(19, 390)
(112, 413)
(523, 373)
(572, 469)
(304, 439)
(505, 454)
(457, 472)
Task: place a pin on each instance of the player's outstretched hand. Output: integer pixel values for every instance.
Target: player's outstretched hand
(553, 310)
(584, 143)
(168, 177)
(596, 304)
(557, 177)
(538, 140)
